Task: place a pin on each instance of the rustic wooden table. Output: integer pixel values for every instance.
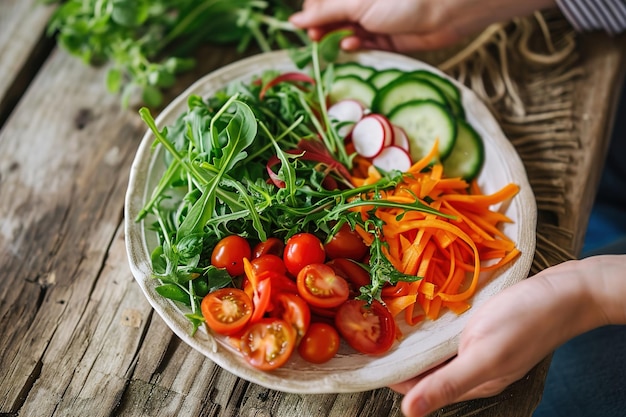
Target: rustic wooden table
(77, 337)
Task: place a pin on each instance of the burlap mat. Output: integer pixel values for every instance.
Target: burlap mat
(524, 71)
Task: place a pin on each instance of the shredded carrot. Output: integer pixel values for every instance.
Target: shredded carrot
(447, 253)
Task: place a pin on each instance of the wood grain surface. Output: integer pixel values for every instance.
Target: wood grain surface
(77, 337)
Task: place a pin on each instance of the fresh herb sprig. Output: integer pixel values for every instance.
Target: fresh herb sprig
(150, 42)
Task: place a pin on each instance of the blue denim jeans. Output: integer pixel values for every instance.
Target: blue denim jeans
(587, 376)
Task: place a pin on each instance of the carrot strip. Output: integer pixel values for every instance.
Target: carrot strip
(435, 308)
(458, 307)
(428, 289)
(505, 260)
(395, 305)
(503, 194)
(426, 160)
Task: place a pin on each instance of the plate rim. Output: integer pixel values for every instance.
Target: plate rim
(138, 254)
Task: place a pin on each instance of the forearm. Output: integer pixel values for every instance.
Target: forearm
(587, 15)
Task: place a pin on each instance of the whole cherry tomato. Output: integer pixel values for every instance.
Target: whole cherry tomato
(320, 343)
(229, 253)
(301, 250)
(321, 287)
(227, 310)
(346, 243)
(268, 262)
(272, 245)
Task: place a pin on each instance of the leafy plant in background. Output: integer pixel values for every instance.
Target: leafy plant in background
(149, 42)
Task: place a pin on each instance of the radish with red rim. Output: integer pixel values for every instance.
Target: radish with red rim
(400, 138)
(346, 113)
(393, 158)
(370, 135)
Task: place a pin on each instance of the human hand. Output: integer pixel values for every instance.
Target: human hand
(519, 327)
(407, 25)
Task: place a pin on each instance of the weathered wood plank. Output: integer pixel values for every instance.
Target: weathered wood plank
(62, 187)
(23, 44)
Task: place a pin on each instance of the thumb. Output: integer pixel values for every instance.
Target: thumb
(444, 386)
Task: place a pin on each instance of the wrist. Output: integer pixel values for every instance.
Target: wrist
(587, 293)
(606, 283)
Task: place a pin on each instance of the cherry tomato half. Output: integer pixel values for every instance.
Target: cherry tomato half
(294, 310)
(301, 250)
(321, 287)
(227, 310)
(352, 272)
(346, 243)
(267, 344)
(368, 329)
(229, 253)
(272, 246)
(320, 344)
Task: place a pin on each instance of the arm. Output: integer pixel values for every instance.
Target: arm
(520, 326)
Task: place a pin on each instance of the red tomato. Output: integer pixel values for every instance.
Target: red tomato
(272, 245)
(346, 243)
(301, 250)
(320, 344)
(229, 253)
(226, 310)
(280, 283)
(267, 344)
(352, 272)
(369, 330)
(294, 310)
(321, 287)
(268, 262)
(326, 314)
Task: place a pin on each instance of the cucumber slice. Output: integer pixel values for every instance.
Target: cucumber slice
(381, 78)
(468, 154)
(352, 68)
(351, 87)
(405, 89)
(424, 122)
(450, 91)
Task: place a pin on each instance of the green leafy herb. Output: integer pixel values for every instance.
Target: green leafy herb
(150, 42)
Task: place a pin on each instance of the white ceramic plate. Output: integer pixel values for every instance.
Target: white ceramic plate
(424, 346)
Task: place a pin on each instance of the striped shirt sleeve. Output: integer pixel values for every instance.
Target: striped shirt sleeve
(589, 15)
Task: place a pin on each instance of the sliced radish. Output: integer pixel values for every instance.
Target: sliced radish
(369, 136)
(346, 113)
(393, 158)
(400, 138)
(387, 126)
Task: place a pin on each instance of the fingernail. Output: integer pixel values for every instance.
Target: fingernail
(422, 406)
(419, 408)
(295, 18)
